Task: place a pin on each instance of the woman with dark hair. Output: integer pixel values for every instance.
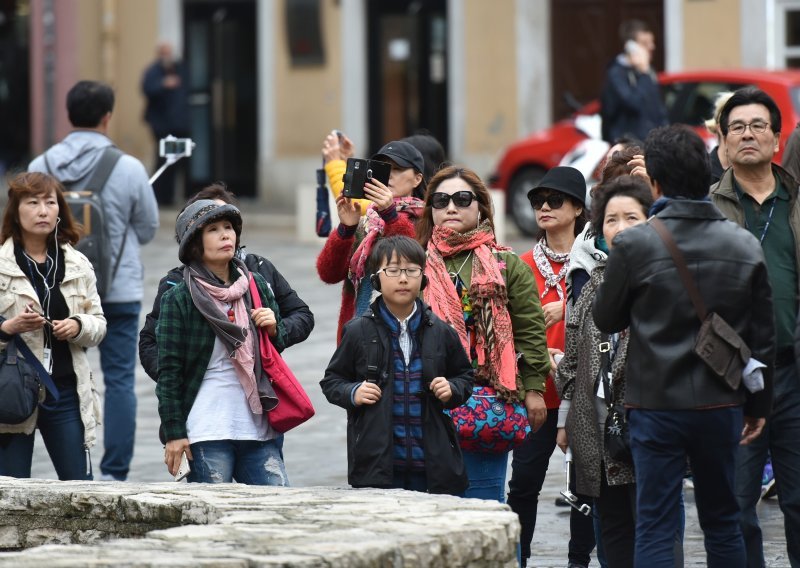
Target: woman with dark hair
(392, 211)
(618, 203)
(483, 290)
(51, 302)
(296, 316)
(559, 205)
(213, 397)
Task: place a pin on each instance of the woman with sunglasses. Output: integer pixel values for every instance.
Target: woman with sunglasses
(392, 211)
(482, 290)
(558, 203)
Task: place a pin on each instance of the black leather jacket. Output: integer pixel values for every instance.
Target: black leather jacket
(642, 290)
(296, 316)
(369, 428)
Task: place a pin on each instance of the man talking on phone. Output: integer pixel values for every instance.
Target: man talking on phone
(630, 104)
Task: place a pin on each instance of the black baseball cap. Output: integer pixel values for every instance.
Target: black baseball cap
(565, 179)
(403, 154)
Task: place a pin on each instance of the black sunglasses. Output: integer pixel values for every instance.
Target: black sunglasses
(440, 200)
(554, 200)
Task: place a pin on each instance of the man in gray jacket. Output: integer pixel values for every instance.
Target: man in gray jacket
(131, 217)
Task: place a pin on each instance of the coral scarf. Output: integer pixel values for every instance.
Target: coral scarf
(497, 361)
(374, 226)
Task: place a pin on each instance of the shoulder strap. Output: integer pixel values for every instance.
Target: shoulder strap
(680, 263)
(44, 376)
(102, 171)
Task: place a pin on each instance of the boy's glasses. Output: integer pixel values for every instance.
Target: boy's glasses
(554, 200)
(440, 200)
(394, 271)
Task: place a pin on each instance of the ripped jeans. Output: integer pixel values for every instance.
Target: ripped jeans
(246, 461)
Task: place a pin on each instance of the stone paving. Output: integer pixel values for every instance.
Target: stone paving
(315, 452)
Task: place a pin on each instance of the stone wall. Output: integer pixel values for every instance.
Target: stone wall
(54, 524)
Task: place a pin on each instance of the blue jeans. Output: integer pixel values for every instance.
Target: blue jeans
(246, 461)
(118, 361)
(410, 480)
(780, 438)
(661, 440)
(62, 432)
(487, 475)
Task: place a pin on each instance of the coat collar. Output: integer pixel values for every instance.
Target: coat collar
(690, 209)
(9, 267)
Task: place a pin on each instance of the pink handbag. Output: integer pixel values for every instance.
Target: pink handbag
(294, 407)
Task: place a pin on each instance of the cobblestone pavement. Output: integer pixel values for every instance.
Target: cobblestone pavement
(315, 452)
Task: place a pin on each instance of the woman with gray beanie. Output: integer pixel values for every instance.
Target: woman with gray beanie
(213, 397)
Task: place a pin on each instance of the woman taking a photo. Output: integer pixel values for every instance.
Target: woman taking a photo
(483, 291)
(50, 301)
(212, 393)
(393, 211)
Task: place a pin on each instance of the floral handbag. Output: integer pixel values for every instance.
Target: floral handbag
(488, 424)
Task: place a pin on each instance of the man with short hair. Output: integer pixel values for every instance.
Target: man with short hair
(677, 406)
(630, 103)
(762, 197)
(131, 217)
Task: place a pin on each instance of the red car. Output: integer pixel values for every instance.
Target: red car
(689, 97)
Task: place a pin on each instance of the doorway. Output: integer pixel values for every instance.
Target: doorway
(585, 39)
(221, 55)
(407, 69)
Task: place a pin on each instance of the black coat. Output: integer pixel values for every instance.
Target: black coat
(631, 103)
(296, 316)
(369, 427)
(642, 290)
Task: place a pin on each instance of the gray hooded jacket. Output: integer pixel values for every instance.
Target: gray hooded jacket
(131, 208)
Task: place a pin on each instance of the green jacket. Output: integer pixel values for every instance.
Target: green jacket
(527, 318)
(724, 197)
(185, 342)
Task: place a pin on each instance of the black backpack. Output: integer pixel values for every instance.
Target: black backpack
(87, 208)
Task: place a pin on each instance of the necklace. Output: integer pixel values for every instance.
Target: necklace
(231, 315)
(457, 274)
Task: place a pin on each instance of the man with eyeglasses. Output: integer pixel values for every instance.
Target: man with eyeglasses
(762, 197)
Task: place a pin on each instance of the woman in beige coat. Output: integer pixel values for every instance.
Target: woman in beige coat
(48, 297)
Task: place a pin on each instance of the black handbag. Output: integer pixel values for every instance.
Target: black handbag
(19, 386)
(717, 344)
(616, 436)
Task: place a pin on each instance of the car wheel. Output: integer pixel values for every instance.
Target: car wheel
(521, 210)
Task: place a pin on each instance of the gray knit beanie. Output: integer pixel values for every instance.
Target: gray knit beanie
(197, 215)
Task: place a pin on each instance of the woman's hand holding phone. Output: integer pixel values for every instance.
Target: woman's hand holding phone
(379, 194)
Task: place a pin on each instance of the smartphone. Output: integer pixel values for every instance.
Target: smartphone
(183, 469)
(632, 47)
(32, 308)
(359, 171)
(339, 135)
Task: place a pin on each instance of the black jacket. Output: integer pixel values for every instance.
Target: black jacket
(297, 318)
(642, 290)
(630, 102)
(366, 341)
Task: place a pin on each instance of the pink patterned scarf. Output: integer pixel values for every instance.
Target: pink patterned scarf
(497, 361)
(373, 228)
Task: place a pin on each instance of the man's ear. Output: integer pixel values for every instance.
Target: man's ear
(655, 189)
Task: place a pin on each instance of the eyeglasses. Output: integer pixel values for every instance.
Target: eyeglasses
(756, 127)
(440, 200)
(554, 200)
(394, 271)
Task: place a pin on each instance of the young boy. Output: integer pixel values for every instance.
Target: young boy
(396, 369)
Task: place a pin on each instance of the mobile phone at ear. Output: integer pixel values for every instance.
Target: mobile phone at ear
(184, 468)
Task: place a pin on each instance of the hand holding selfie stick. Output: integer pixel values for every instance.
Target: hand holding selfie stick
(172, 149)
(567, 494)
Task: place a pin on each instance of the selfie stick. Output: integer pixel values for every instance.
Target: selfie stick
(567, 494)
(170, 160)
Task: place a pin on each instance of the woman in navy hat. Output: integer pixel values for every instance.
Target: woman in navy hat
(392, 210)
(559, 205)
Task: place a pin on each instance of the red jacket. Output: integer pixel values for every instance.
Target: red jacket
(555, 333)
(334, 261)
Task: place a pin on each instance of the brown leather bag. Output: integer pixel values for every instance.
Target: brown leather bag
(717, 343)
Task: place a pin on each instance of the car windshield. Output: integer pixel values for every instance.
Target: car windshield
(795, 94)
(693, 102)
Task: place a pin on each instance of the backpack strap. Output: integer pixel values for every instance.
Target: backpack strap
(97, 181)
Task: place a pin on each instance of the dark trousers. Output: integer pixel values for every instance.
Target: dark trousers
(781, 439)
(660, 443)
(528, 468)
(617, 508)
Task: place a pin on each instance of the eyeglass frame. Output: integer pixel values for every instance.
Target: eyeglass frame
(452, 197)
(401, 271)
(745, 125)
